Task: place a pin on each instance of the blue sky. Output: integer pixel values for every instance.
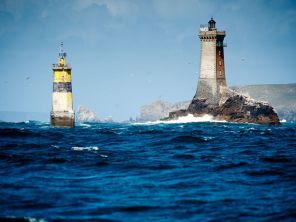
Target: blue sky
(127, 53)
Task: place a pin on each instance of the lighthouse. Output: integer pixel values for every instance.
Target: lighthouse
(212, 96)
(211, 82)
(62, 114)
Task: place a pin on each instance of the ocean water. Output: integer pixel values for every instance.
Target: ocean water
(201, 171)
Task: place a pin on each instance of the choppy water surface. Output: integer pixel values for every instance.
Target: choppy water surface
(161, 172)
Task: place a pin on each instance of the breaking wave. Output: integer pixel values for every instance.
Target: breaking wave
(84, 125)
(88, 148)
(21, 219)
(185, 119)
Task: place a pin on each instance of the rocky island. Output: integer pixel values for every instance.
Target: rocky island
(235, 108)
(84, 114)
(213, 97)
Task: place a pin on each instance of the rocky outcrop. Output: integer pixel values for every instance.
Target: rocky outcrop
(108, 119)
(234, 108)
(282, 97)
(83, 114)
(159, 109)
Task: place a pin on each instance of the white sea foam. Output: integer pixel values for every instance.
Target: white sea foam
(29, 219)
(185, 119)
(87, 148)
(283, 121)
(84, 125)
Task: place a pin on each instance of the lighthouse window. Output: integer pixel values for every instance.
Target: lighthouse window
(220, 72)
(219, 52)
(220, 63)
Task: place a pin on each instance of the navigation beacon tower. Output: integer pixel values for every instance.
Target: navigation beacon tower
(62, 114)
(211, 70)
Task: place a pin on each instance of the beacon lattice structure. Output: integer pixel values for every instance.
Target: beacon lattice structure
(62, 114)
(212, 80)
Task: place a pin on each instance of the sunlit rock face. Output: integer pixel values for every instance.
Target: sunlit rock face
(83, 114)
(159, 109)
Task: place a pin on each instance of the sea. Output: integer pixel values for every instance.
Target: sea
(199, 170)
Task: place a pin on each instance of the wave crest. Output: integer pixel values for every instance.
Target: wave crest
(185, 119)
(88, 148)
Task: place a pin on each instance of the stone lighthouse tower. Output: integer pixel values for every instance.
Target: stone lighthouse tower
(62, 114)
(212, 80)
(212, 96)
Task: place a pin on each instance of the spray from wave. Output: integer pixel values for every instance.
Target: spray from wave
(83, 125)
(88, 148)
(184, 119)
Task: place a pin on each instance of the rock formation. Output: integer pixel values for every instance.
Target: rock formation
(235, 108)
(158, 110)
(83, 114)
(281, 96)
(108, 119)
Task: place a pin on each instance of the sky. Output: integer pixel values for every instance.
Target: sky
(128, 53)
